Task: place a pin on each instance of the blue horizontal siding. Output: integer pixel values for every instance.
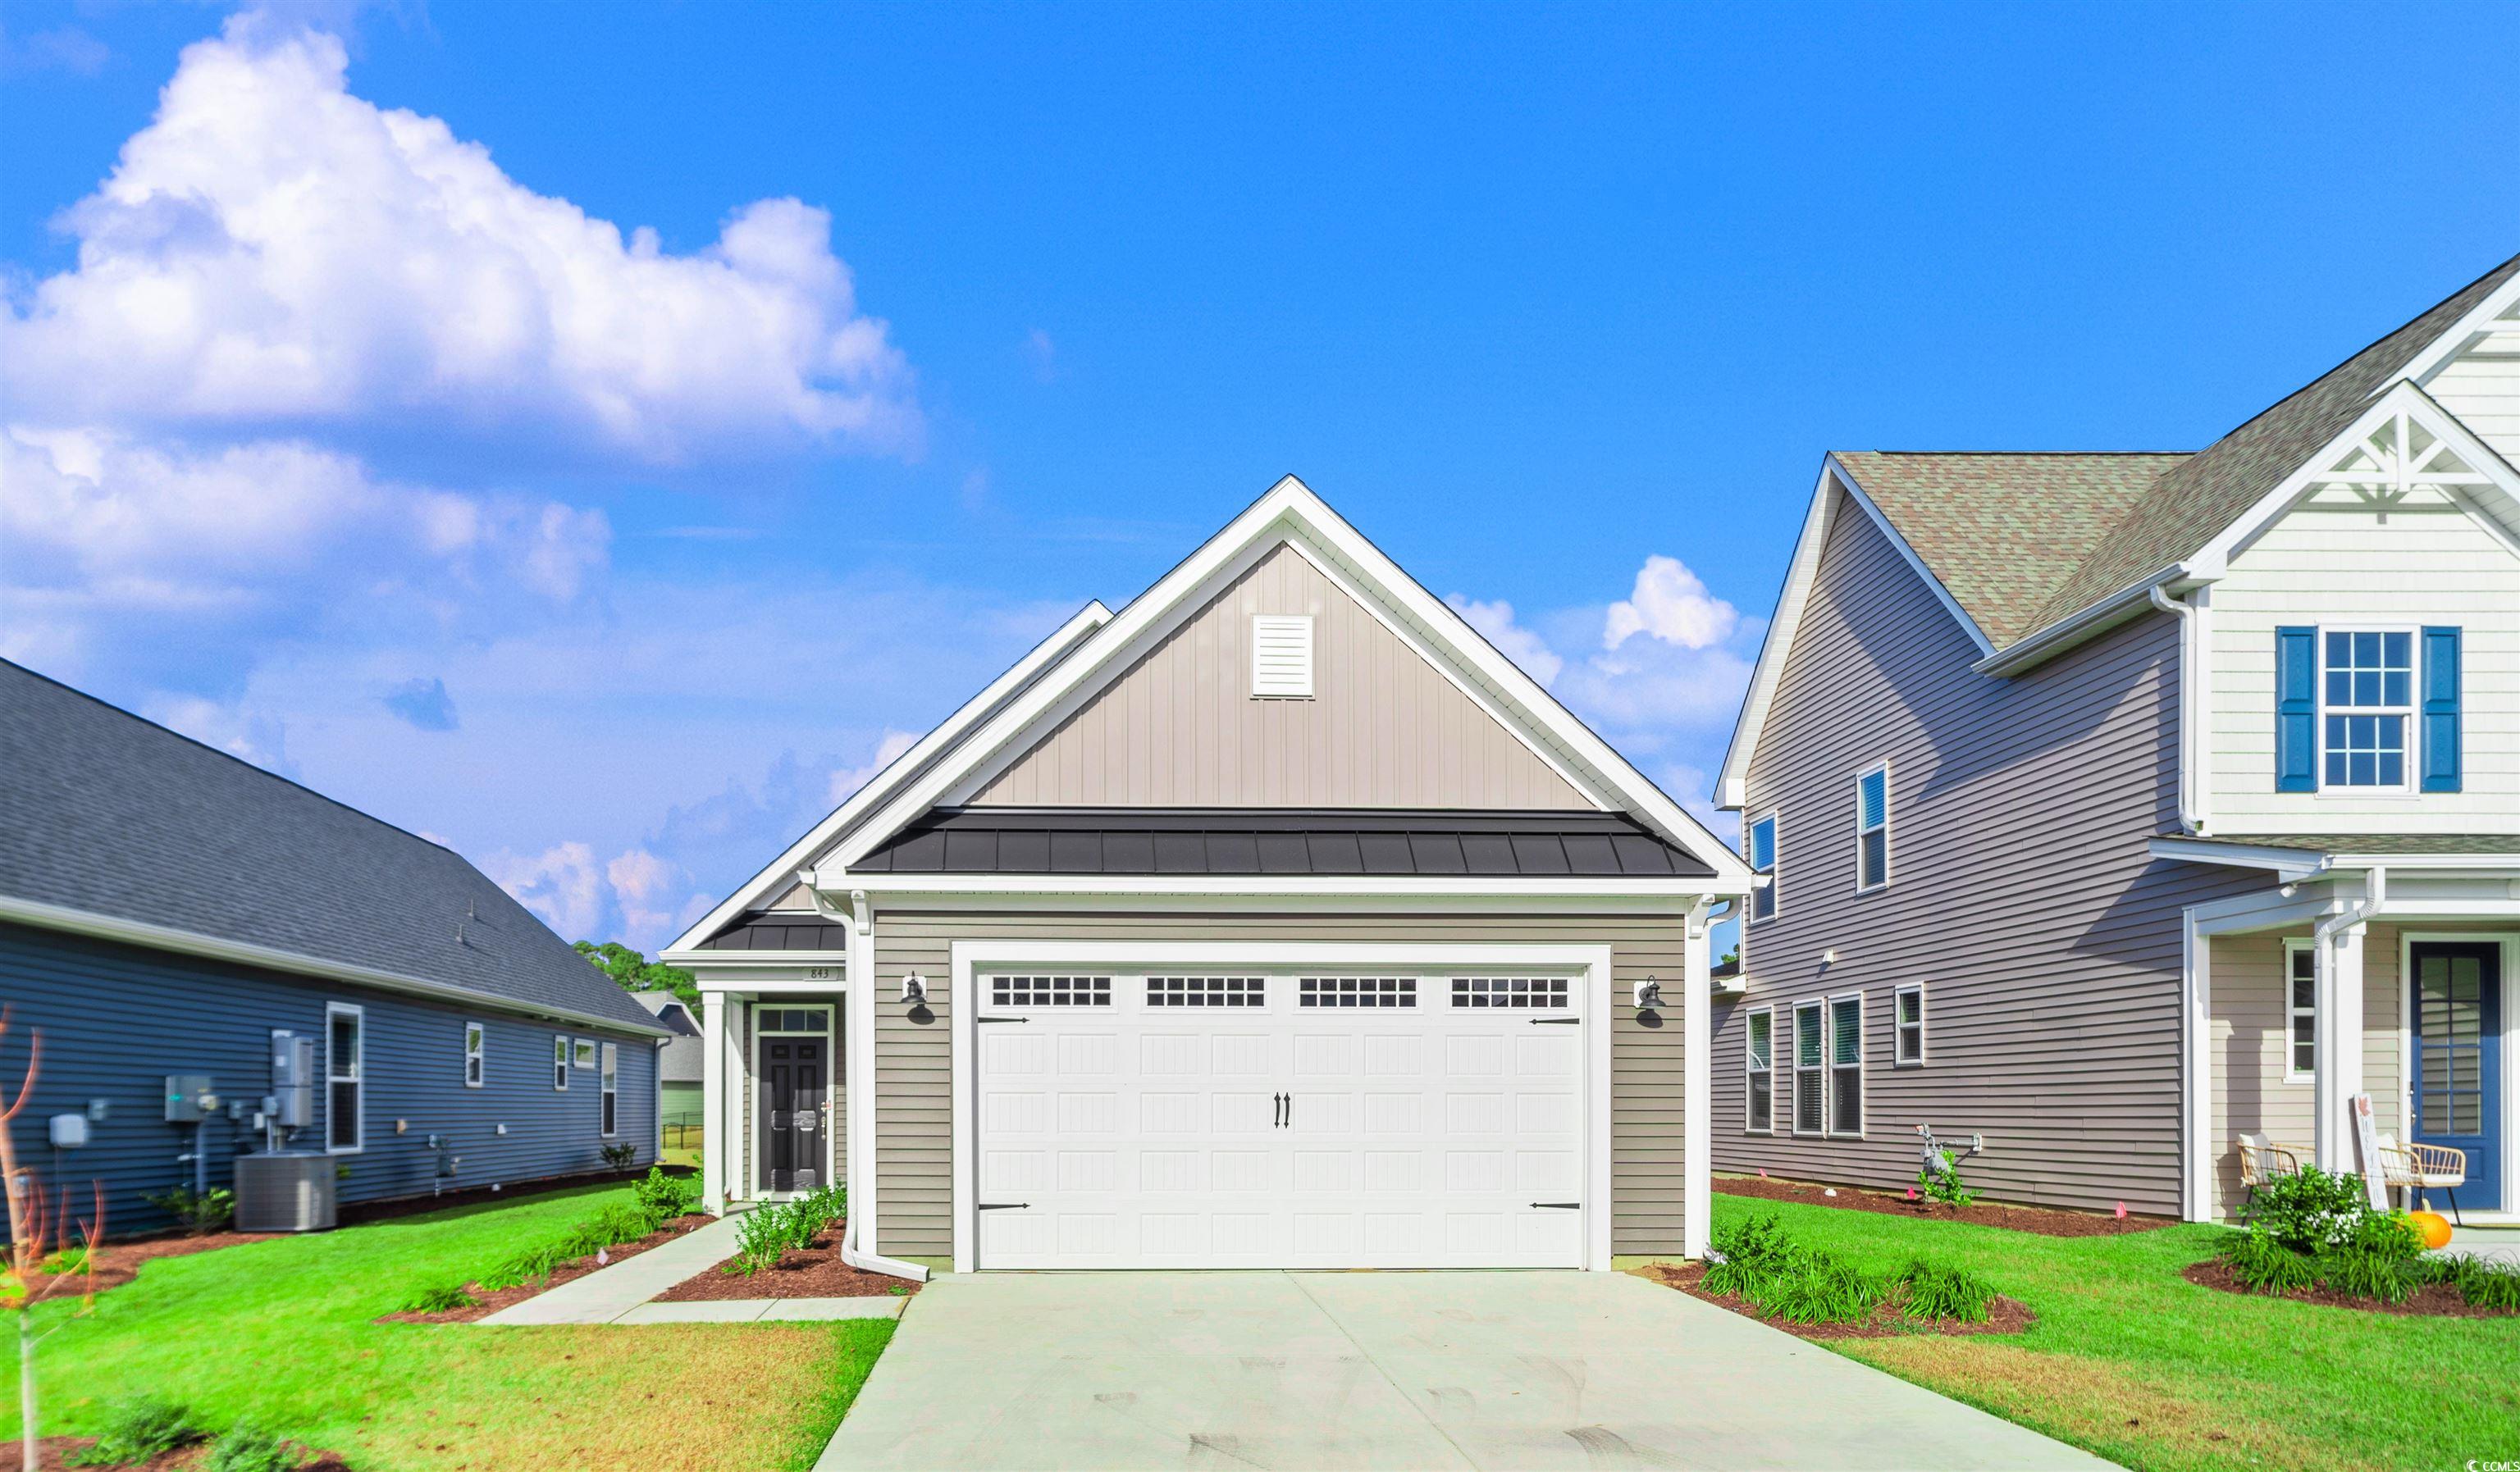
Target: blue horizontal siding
(116, 1019)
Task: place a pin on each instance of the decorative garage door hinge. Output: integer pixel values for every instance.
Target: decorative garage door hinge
(1001, 1019)
(1555, 1021)
(1006, 1206)
(1560, 1205)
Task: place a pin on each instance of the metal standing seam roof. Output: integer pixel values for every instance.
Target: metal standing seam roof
(2022, 541)
(1280, 841)
(778, 930)
(108, 814)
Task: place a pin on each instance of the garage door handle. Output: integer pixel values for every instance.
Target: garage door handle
(1560, 1205)
(1003, 1205)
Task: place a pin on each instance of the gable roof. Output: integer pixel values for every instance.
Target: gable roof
(117, 819)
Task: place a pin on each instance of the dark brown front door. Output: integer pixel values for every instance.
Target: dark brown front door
(794, 1097)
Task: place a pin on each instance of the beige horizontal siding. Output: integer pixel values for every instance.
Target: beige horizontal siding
(914, 1108)
(2021, 897)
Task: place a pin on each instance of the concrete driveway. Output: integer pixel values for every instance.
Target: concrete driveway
(1388, 1370)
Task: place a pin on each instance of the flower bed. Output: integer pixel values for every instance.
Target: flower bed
(2047, 1221)
(660, 1210)
(2316, 1237)
(1884, 1320)
(1756, 1269)
(812, 1270)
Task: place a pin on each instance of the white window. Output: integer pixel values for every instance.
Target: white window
(345, 1101)
(1810, 1084)
(1355, 991)
(585, 1048)
(1049, 990)
(559, 1062)
(1846, 1065)
(1909, 1027)
(472, 1054)
(1282, 656)
(2366, 703)
(1758, 1093)
(611, 1110)
(1763, 860)
(2301, 1012)
(1208, 991)
(1872, 828)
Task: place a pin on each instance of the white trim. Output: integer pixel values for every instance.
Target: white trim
(560, 1050)
(581, 1053)
(2480, 322)
(2088, 622)
(1774, 889)
(191, 943)
(1801, 573)
(1818, 1007)
(1881, 768)
(1696, 1087)
(1829, 1068)
(1290, 513)
(477, 1053)
(1899, 1024)
(715, 1167)
(1767, 1012)
(2299, 946)
(358, 1077)
(1329, 886)
(2295, 864)
(2410, 745)
(925, 752)
(1593, 961)
(1287, 639)
(2510, 944)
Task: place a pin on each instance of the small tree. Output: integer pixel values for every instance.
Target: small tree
(635, 972)
(39, 1224)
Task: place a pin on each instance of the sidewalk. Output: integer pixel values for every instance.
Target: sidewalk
(624, 1292)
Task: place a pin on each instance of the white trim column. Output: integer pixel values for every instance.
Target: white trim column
(2339, 1074)
(1696, 1076)
(713, 1151)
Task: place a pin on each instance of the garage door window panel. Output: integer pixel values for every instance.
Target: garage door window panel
(1049, 990)
(1208, 991)
(1357, 990)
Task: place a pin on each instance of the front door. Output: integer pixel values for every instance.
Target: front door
(793, 1096)
(2458, 995)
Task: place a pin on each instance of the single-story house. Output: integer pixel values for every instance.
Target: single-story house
(219, 961)
(678, 1060)
(1277, 919)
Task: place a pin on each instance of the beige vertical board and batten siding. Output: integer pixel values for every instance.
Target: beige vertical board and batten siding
(2022, 895)
(2252, 1093)
(913, 1109)
(2335, 561)
(1181, 728)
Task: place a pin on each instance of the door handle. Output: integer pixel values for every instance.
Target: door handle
(1290, 1111)
(1277, 1110)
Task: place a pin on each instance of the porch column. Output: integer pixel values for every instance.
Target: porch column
(1697, 1133)
(2339, 1075)
(713, 1153)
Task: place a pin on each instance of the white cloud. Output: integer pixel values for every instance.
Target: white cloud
(259, 738)
(1672, 606)
(846, 781)
(1495, 621)
(563, 884)
(273, 249)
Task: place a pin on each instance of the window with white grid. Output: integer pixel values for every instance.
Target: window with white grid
(1049, 990)
(1206, 991)
(1509, 990)
(1357, 990)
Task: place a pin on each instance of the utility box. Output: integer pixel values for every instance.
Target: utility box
(293, 1080)
(69, 1131)
(189, 1098)
(284, 1190)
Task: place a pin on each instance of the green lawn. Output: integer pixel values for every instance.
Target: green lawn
(281, 1332)
(2132, 1362)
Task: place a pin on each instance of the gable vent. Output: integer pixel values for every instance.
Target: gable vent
(1282, 655)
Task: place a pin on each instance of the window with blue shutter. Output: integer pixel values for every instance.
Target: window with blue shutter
(2296, 710)
(2441, 735)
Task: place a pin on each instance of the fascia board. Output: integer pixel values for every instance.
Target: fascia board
(2480, 320)
(923, 755)
(1287, 885)
(2084, 625)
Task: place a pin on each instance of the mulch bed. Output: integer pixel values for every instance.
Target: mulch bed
(54, 1452)
(2046, 1221)
(2431, 1301)
(2004, 1315)
(813, 1271)
(118, 1263)
(353, 1213)
(492, 1301)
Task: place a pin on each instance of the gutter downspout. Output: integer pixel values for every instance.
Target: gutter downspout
(2192, 681)
(858, 1065)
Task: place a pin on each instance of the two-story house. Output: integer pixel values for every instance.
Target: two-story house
(2118, 806)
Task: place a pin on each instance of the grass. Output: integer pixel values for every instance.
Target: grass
(281, 1334)
(2132, 1361)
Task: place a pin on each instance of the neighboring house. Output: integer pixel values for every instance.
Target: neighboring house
(678, 1060)
(1274, 920)
(2119, 805)
(167, 910)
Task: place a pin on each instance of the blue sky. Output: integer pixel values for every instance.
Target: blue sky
(589, 436)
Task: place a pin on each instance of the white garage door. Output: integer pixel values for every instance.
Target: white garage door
(1279, 1118)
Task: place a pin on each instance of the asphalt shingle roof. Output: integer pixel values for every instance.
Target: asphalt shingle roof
(104, 811)
(2409, 845)
(2022, 541)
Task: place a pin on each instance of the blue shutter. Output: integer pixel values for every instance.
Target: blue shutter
(2296, 710)
(2441, 710)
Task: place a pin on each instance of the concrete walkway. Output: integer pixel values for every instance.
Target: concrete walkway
(1385, 1370)
(607, 1294)
(2495, 1242)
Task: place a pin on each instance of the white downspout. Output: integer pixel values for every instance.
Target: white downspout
(2192, 692)
(858, 1068)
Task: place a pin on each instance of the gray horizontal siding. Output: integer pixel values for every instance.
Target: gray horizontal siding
(2022, 896)
(116, 1019)
(913, 1109)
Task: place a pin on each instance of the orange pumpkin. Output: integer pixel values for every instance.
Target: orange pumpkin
(2433, 1225)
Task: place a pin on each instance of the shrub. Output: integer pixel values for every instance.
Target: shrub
(665, 1197)
(2311, 1209)
(66, 1261)
(2358, 1274)
(437, 1298)
(619, 1155)
(1946, 1186)
(761, 1234)
(2484, 1284)
(1817, 1287)
(139, 1429)
(2262, 1265)
(1934, 1291)
(247, 1447)
(200, 1214)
